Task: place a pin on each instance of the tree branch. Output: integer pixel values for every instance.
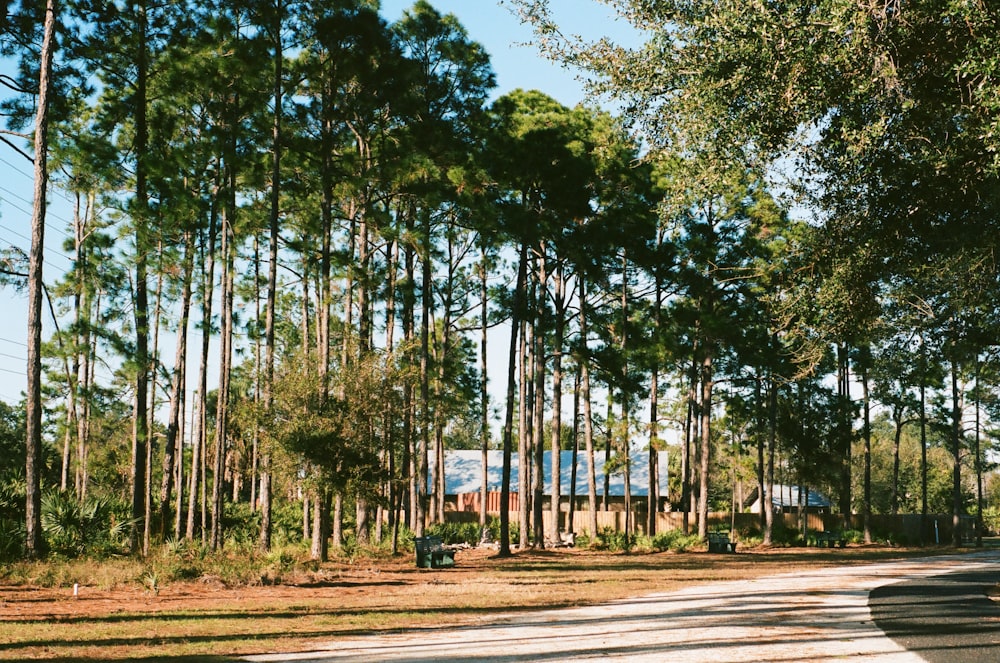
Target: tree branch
(17, 149)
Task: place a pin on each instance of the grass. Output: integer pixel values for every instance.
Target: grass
(207, 619)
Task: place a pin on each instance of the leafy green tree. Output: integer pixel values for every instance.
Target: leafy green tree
(450, 82)
(543, 209)
(339, 435)
(716, 226)
(894, 388)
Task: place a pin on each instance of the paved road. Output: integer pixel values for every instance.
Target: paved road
(806, 617)
(945, 619)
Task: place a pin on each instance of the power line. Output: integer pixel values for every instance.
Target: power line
(28, 214)
(48, 250)
(30, 177)
(49, 214)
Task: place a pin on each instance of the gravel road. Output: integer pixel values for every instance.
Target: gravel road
(820, 615)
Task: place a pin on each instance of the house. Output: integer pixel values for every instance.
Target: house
(785, 499)
(463, 476)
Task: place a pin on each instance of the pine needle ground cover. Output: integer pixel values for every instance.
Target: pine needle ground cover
(207, 618)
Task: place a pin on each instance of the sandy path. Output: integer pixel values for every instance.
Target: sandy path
(817, 615)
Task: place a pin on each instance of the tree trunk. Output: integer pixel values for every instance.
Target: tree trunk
(33, 451)
(151, 409)
(523, 430)
(767, 501)
(274, 218)
(653, 501)
(956, 452)
(337, 521)
(706, 441)
(609, 443)
(484, 396)
(570, 517)
(557, 392)
(538, 407)
(508, 433)
(758, 403)
(391, 491)
(425, 377)
(924, 512)
(978, 465)
(225, 368)
(844, 433)
(588, 415)
(409, 406)
(85, 349)
(689, 423)
(140, 432)
(896, 441)
(83, 423)
(176, 413)
(320, 550)
(626, 456)
(200, 434)
(867, 435)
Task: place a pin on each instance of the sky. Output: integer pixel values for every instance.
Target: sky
(492, 23)
(517, 64)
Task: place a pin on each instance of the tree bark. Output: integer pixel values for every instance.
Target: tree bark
(274, 219)
(225, 366)
(484, 396)
(176, 413)
(200, 434)
(538, 406)
(559, 328)
(588, 415)
(867, 435)
(508, 433)
(706, 441)
(956, 452)
(140, 431)
(33, 463)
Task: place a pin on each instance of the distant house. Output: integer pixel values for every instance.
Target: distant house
(463, 476)
(785, 499)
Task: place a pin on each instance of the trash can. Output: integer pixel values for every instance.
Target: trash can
(422, 546)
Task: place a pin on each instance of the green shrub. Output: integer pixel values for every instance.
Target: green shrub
(853, 536)
(286, 523)
(786, 536)
(180, 560)
(12, 540)
(12, 497)
(453, 533)
(73, 529)
(609, 539)
(241, 524)
(991, 519)
(470, 533)
(676, 540)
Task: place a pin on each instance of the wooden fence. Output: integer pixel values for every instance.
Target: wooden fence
(901, 528)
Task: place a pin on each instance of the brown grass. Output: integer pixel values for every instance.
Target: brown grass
(204, 619)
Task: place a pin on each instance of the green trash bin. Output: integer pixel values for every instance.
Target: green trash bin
(422, 545)
(431, 554)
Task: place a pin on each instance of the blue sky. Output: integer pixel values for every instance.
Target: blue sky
(517, 64)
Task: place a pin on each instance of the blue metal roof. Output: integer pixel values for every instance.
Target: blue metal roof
(463, 472)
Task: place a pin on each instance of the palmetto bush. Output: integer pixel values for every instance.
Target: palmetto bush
(72, 528)
(12, 539)
(12, 497)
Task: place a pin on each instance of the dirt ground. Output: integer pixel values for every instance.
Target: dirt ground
(205, 618)
(352, 582)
